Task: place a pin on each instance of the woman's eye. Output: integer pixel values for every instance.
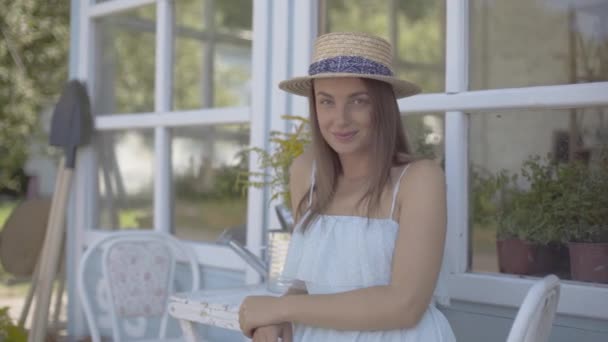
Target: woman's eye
(360, 101)
(325, 102)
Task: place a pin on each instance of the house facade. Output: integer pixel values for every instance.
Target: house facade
(179, 88)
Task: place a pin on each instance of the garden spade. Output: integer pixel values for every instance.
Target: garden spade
(71, 127)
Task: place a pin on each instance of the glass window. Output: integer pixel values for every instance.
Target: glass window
(124, 65)
(126, 178)
(529, 43)
(206, 166)
(425, 135)
(416, 29)
(212, 54)
(538, 189)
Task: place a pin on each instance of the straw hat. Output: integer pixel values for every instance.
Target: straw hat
(349, 54)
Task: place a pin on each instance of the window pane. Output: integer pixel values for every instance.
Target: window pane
(416, 29)
(124, 74)
(425, 135)
(126, 178)
(529, 43)
(539, 176)
(205, 171)
(212, 54)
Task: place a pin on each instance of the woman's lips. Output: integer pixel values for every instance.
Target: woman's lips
(344, 136)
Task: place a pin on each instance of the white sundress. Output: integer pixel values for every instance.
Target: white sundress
(342, 253)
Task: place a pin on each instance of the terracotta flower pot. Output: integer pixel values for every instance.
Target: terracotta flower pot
(517, 256)
(589, 261)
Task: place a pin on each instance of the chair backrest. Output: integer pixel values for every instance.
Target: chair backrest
(136, 277)
(534, 319)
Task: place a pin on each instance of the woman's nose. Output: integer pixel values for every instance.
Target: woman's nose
(342, 114)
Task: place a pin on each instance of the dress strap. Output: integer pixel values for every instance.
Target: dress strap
(312, 182)
(396, 190)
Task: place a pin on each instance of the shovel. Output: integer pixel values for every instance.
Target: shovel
(71, 127)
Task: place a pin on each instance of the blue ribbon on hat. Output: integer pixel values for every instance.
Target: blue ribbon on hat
(349, 64)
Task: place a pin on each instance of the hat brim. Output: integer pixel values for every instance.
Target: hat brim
(303, 85)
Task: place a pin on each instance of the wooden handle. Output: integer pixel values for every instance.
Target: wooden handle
(50, 255)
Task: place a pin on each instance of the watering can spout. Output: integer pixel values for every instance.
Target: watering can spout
(228, 238)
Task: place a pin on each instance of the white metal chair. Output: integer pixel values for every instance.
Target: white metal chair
(534, 319)
(125, 280)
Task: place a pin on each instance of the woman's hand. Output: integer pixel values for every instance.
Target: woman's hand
(258, 311)
(271, 333)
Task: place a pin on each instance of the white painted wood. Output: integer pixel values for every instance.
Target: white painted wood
(457, 179)
(456, 140)
(200, 117)
(559, 96)
(579, 299)
(163, 179)
(216, 307)
(112, 7)
(163, 175)
(84, 190)
(457, 46)
(260, 106)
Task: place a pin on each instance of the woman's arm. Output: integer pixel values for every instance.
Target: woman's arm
(416, 264)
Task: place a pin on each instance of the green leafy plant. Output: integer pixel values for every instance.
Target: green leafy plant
(582, 213)
(285, 147)
(525, 213)
(8, 330)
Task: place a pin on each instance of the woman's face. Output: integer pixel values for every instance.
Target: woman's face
(344, 111)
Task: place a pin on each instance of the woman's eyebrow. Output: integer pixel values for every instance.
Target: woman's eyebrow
(322, 93)
(358, 93)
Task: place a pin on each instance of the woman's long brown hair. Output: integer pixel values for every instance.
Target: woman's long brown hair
(388, 148)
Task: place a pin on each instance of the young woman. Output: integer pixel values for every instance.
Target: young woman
(366, 253)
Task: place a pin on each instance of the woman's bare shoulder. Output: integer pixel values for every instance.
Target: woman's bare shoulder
(420, 174)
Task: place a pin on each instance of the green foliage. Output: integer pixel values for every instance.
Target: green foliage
(285, 148)
(420, 37)
(517, 213)
(8, 331)
(34, 38)
(563, 202)
(225, 184)
(582, 213)
(491, 195)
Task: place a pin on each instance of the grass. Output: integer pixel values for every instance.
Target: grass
(6, 207)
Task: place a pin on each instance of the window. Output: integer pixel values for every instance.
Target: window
(529, 43)
(157, 98)
(212, 54)
(206, 167)
(126, 184)
(531, 192)
(124, 68)
(416, 30)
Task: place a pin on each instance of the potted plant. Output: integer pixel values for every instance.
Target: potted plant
(584, 218)
(285, 148)
(527, 239)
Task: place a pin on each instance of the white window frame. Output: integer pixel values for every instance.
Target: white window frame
(162, 120)
(578, 299)
(272, 58)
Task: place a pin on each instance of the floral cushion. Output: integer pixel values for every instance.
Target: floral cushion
(138, 276)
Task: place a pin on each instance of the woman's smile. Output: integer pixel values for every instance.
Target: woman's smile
(344, 137)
